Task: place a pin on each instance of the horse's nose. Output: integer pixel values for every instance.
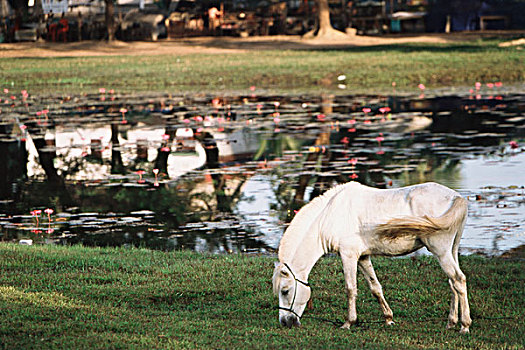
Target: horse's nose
(290, 321)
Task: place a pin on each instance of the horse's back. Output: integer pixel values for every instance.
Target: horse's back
(401, 212)
(359, 206)
(429, 198)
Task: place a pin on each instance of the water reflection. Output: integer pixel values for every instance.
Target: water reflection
(227, 173)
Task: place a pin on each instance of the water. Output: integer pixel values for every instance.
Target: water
(232, 170)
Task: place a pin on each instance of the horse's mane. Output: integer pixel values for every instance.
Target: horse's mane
(304, 219)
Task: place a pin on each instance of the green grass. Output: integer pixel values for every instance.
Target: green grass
(76, 297)
(368, 69)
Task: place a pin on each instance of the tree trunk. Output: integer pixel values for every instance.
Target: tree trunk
(20, 7)
(110, 19)
(324, 17)
(324, 27)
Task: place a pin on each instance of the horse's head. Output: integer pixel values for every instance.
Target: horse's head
(293, 295)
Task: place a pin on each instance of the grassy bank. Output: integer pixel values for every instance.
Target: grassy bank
(68, 298)
(368, 70)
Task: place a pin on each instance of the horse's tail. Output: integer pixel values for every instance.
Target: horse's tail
(452, 220)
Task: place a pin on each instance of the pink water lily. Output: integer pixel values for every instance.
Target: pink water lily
(216, 102)
(123, 111)
(49, 211)
(36, 213)
(156, 172)
(140, 173)
(380, 139)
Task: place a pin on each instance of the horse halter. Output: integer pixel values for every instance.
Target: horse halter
(290, 309)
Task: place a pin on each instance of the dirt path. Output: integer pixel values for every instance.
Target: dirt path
(225, 44)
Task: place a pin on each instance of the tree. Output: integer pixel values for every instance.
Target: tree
(20, 7)
(110, 19)
(324, 28)
(163, 5)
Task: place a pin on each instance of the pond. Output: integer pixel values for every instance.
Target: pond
(227, 173)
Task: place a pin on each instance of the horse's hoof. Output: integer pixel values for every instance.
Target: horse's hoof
(451, 325)
(390, 322)
(347, 325)
(464, 330)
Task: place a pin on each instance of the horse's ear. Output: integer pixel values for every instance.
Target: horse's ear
(276, 263)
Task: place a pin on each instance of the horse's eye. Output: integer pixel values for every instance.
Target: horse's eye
(284, 292)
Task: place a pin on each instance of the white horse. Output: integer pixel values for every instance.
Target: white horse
(359, 221)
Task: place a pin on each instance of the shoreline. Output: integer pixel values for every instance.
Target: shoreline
(225, 45)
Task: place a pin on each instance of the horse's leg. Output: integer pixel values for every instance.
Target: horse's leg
(375, 287)
(458, 285)
(350, 272)
(454, 302)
